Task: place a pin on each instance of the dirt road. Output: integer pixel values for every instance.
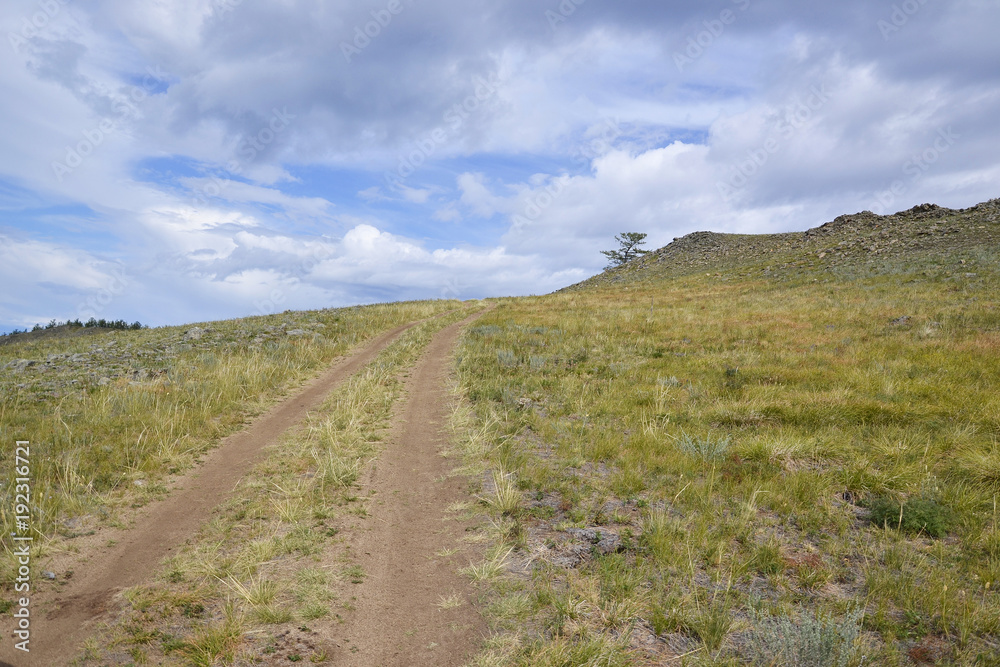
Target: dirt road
(413, 608)
(163, 526)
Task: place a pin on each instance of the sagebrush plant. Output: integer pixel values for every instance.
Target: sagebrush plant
(263, 561)
(805, 641)
(742, 426)
(707, 447)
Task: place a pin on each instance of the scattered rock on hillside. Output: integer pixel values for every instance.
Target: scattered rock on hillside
(129, 361)
(19, 365)
(604, 541)
(571, 547)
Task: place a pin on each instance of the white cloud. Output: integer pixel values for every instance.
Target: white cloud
(372, 257)
(371, 193)
(54, 281)
(447, 214)
(478, 197)
(585, 131)
(415, 195)
(24, 261)
(239, 192)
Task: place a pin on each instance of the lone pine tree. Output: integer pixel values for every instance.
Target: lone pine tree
(628, 248)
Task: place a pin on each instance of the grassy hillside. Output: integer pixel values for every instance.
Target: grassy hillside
(110, 416)
(764, 450)
(749, 450)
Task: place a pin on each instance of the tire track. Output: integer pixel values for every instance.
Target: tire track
(162, 526)
(413, 609)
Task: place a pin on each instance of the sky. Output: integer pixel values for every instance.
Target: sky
(178, 161)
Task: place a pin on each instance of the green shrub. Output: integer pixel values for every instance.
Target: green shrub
(914, 516)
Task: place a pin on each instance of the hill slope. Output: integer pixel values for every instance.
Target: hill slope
(863, 242)
(752, 450)
(738, 450)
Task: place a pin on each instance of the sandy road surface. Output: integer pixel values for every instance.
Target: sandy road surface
(406, 613)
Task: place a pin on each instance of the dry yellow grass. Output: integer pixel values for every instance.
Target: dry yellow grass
(732, 432)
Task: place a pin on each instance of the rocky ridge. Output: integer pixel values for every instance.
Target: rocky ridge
(860, 240)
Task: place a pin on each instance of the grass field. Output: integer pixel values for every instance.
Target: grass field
(107, 436)
(799, 469)
(775, 450)
(271, 564)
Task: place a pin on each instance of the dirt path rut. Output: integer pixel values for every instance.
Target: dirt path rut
(413, 607)
(163, 526)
